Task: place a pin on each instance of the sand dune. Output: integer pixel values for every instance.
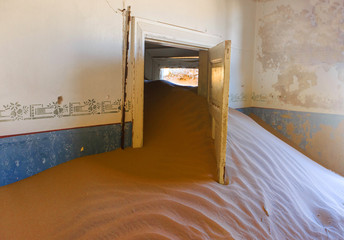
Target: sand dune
(167, 189)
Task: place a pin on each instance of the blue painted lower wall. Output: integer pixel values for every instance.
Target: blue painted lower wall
(320, 135)
(27, 155)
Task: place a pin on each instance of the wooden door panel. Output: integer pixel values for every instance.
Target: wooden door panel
(219, 69)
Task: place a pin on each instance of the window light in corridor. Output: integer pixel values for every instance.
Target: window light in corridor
(180, 76)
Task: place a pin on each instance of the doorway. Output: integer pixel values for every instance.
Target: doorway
(213, 74)
(176, 65)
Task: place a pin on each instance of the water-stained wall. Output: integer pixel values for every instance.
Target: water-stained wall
(299, 61)
(299, 67)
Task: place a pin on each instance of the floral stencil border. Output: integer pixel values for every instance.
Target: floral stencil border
(16, 111)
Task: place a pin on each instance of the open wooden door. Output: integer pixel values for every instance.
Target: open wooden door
(219, 69)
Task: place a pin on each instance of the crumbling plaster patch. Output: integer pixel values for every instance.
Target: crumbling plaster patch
(299, 50)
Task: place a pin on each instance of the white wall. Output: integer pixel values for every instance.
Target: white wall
(58, 48)
(241, 19)
(202, 15)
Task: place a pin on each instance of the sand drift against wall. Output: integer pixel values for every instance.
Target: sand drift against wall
(167, 189)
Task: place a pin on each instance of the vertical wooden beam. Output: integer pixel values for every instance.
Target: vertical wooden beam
(138, 66)
(125, 78)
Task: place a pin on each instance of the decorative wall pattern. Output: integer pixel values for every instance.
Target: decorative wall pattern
(16, 111)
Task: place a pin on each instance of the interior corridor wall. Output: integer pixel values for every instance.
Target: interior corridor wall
(298, 82)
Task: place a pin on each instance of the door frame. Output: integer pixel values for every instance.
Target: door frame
(146, 30)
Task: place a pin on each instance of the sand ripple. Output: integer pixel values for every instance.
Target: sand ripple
(167, 189)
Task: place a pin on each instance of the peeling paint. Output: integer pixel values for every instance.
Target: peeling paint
(320, 135)
(302, 35)
(299, 55)
(303, 80)
(328, 142)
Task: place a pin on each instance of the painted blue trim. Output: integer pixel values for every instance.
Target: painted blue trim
(27, 155)
(245, 111)
(280, 119)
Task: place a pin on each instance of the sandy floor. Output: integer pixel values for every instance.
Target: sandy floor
(167, 189)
